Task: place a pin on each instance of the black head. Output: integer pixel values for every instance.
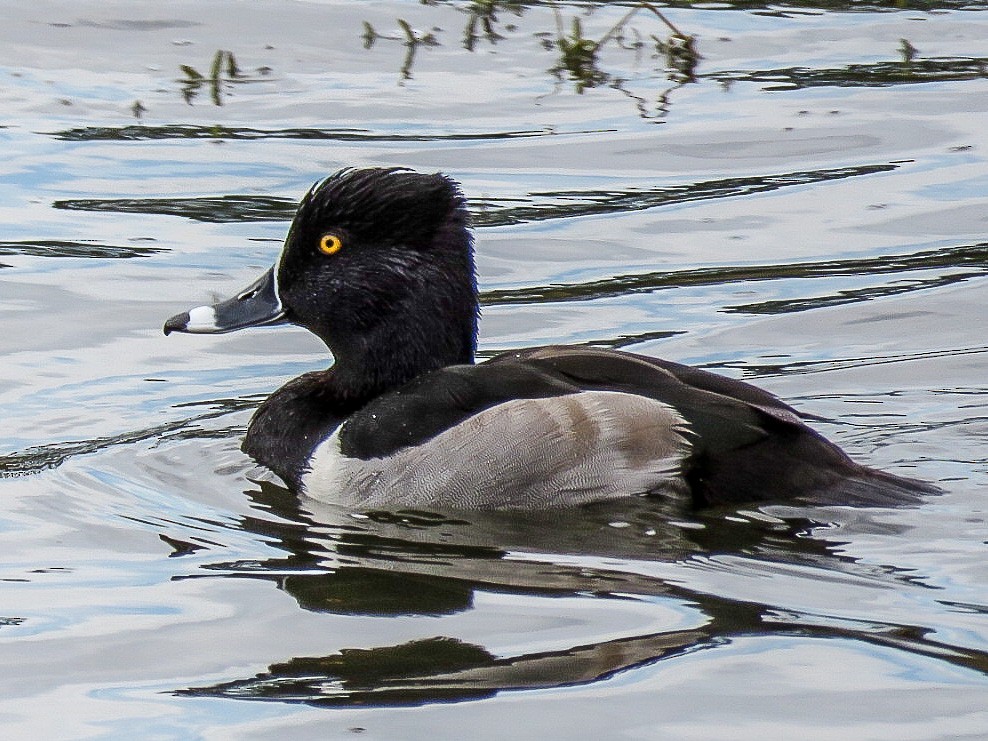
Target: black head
(379, 264)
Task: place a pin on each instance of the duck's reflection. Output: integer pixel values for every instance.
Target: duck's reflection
(423, 564)
(443, 670)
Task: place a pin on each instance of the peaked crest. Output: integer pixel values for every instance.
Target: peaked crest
(381, 205)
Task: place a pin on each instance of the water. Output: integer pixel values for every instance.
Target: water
(808, 214)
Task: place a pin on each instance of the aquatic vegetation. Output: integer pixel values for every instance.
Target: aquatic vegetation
(483, 14)
(906, 71)
(577, 53)
(223, 72)
(411, 38)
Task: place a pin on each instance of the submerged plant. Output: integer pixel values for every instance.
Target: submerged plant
(679, 50)
(578, 54)
(907, 50)
(223, 69)
(483, 19)
(413, 40)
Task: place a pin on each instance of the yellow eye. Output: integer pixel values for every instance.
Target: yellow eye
(330, 244)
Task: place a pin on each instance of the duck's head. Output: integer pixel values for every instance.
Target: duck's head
(379, 264)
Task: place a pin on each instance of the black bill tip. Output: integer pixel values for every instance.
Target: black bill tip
(178, 323)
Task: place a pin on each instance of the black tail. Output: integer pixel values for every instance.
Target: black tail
(866, 487)
(797, 465)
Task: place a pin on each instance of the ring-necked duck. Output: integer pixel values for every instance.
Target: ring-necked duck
(379, 264)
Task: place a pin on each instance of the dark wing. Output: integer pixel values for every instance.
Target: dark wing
(724, 413)
(437, 401)
(750, 446)
(746, 444)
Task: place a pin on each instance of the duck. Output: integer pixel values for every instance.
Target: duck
(378, 263)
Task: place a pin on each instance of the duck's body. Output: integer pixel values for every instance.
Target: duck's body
(378, 263)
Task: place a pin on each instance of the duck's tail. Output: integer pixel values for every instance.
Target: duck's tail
(804, 468)
(867, 487)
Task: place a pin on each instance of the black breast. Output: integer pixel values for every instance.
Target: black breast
(289, 425)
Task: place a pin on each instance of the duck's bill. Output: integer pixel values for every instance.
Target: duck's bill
(257, 304)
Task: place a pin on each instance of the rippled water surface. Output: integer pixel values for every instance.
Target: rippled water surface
(804, 205)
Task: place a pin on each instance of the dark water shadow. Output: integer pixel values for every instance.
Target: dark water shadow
(970, 260)
(61, 248)
(878, 74)
(39, 458)
(426, 564)
(800, 367)
(799, 7)
(217, 209)
(539, 206)
(136, 132)
(570, 203)
(796, 7)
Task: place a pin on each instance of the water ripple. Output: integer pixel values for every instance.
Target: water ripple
(542, 206)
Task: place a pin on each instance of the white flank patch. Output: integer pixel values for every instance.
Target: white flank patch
(522, 454)
(202, 319)
(327, 478)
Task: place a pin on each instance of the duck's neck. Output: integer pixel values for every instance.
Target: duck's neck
(288, 426)
(394, 353)
(424, 321)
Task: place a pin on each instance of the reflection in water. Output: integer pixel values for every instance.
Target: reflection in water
(483, 22)
(970, 259)
(219, 209)
(877, 74)
(763, 369)
(852, 295)
(224, 73)
(426, 564)
(615, 343)
(61, 248)
(40, 458)
(570, 204)
(577, 59)
(192, 131)
(795, 8)
(442, 670)
(547, 205)
(577, 54)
